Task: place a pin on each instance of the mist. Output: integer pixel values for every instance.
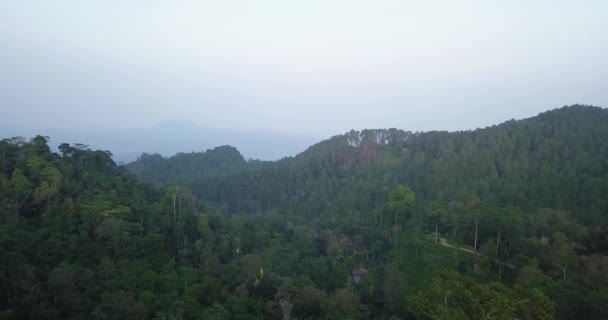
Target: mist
(312, 70)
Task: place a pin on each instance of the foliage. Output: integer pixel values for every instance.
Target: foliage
(497, 223)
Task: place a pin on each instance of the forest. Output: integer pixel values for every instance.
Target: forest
(504, 222)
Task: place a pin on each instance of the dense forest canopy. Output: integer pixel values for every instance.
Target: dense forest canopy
(555, 160)
(506, 222)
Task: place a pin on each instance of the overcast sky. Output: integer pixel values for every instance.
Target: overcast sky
(304, 67)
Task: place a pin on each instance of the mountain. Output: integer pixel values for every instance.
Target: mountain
(531, 195)
(182, 167)
(81, 238)
(171, 137)
(556, 159)
(368, 224)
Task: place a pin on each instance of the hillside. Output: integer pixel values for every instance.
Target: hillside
(530, 187)
(374, 224)
(189, 167)
(557, 160)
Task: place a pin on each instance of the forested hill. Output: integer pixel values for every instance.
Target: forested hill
(530, 195)
(188, 167)
(557, 159)
(506, 222)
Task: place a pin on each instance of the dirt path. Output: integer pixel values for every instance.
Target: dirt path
(444, 242)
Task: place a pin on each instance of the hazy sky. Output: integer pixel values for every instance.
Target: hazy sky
(308, 67)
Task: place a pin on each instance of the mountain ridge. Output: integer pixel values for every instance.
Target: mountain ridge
(169, 138)
(363, 217)
(448, 165)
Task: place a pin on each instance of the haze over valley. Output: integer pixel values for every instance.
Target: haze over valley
(171, 137)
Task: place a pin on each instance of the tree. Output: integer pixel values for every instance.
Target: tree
(400, 202)
(20, 186)
(563, 254)
(344, 304)
(453, 296)
(50, 178)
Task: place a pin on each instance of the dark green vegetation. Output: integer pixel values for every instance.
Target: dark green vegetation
(187, 168)
(373, 224)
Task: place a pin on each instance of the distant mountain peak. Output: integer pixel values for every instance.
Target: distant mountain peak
(177, 123)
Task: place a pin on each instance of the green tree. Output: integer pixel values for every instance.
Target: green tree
(400, 202)
(563, 255)
(20, 185)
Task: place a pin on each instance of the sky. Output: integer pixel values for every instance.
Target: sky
(313, 68)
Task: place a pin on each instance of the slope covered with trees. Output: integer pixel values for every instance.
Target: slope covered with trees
(81, 238)
(190, 167)
(557, 159)
(506, 222)
(531, 195)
